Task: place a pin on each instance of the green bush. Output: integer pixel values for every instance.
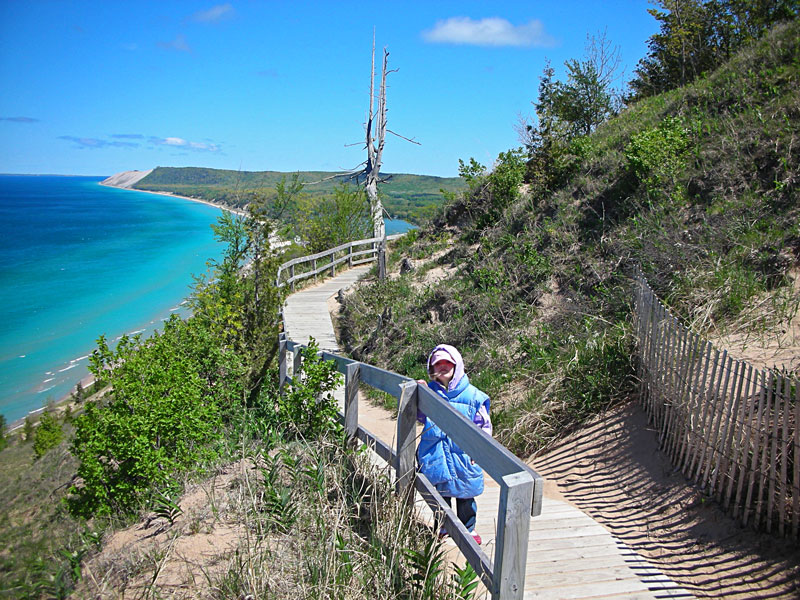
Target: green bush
(3, 440)
(171, 395)
(657, 156)
(47, 435)
(308, 409)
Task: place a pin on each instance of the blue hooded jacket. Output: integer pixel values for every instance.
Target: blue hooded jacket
(446, 465)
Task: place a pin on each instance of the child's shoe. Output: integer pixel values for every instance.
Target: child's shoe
(477, 538)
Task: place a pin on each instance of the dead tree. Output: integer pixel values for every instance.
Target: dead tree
(376, 137)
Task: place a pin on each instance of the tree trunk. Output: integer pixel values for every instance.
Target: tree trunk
(376, 136)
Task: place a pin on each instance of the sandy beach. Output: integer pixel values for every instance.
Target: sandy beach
(235, 211)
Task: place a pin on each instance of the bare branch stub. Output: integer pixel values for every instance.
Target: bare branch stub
(412, 140)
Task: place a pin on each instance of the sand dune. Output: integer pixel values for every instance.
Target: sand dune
(126, 179)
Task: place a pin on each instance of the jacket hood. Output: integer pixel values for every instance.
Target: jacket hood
(458, 361)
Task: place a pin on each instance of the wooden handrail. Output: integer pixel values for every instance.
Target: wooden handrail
(520, 486)
(331, 265)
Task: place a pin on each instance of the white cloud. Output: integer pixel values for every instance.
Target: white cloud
(87, 142)
(177, 142)
(213, 14)
(492, 31)
(179, 44)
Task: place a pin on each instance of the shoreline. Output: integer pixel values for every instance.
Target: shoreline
(89, 379)
(235, 211)
(65, 399)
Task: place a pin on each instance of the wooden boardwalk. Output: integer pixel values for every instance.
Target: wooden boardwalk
(570, 555)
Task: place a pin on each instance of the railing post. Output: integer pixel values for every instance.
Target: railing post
(333, 264)
(281, 361)
(314, 268)
(291, 277)
(297, 361)
(382, 259)
(406, 441)
(350, 256)
(516, 493)
(352, 379)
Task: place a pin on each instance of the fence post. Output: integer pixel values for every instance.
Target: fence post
(281, 361)
(297, 361)
(333, 264)
(314, 268)
(406, 441)
(511, 553)
(382, 259)
(291, 277)
(350, 256)
(352, 379)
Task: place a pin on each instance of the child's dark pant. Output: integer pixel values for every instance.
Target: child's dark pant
(466, 510)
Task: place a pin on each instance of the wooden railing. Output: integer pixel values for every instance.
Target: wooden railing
(353, 253)
(733, 429)
(520, 487)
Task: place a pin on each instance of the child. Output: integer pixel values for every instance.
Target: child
(454, 474)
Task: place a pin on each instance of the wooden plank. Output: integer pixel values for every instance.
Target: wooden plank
(727, 432)
(511, 542)
(714, 418)
(655, 336)
(698, 393)
(405, 466)
(593, 560)
(796, 460)
(675, 367)
(682, 402)
(697, 458)
(764, 427)
(773, 433)
(297, 362)
(382, 379)
(683, 431)
(281, 362)
(645, 344)
(351, 382)
(659, 375)
(628, 587)
(584, 543)
(752, 381)
(715, 464)
(783, 490)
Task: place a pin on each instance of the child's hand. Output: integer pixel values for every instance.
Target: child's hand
(422, 382)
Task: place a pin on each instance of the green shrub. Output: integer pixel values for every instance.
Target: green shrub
(601, 373)
(172, 393)
(3, 440)
(308, 409)
(27, 429)
(47, 435)
(657, 156)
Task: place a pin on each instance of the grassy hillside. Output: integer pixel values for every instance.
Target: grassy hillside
(409, 197)
(697, 185)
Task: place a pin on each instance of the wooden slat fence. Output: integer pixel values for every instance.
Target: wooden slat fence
(521, 488)
(730, 427)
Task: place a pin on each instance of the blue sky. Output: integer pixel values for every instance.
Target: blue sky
(94, 88)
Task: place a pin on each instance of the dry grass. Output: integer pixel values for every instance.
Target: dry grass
(304, 521)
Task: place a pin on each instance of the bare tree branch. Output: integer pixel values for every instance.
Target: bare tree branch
(412, 140)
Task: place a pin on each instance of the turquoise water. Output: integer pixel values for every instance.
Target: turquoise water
(77, 260)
